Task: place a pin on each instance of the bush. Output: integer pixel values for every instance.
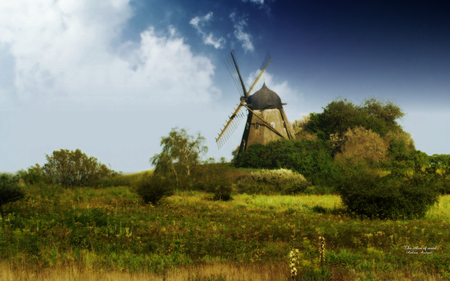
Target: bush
(223, 191)
(34, 175)
(71, 168)
(366, 193)
(273, 181)
(310, 158)
(153, 187)
(9, 190)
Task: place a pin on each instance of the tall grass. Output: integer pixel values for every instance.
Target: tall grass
(104, 232)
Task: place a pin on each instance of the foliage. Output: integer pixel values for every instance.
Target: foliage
(298, 128)
(180, 154)
(154, 187)
(283, 180)
(110, 231)
(311, 159)
(340, 115)
(222, 191)
(9, 190)
(121, 180)
(408, 190)
(70, 168)
(235, 153)
(34, 175)
(361, 145)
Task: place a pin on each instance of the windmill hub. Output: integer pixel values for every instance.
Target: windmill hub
(263, 99)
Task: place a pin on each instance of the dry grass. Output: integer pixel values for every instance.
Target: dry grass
(229, 271)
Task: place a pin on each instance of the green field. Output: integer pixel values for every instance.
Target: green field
(109, 234)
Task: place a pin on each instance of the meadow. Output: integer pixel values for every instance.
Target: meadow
(108, 233)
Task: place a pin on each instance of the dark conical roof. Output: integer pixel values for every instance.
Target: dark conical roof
(264, 99)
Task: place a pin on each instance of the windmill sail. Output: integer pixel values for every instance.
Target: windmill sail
(230, 127)
(233, 68)
(260, 71)
(236, 117)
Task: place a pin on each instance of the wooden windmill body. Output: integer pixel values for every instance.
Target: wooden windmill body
(266, 119)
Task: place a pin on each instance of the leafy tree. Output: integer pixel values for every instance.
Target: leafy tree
(339, 116)
(9, 190)
(74, 168)
(180, 154)
(362, 145)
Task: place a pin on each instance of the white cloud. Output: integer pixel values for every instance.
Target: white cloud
(68, 51)
(199, 22)
(243, 37)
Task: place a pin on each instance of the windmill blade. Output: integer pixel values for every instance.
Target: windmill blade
(261, 70)
(230, 62)
(230, 127)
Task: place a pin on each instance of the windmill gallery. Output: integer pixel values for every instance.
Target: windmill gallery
(266, 119)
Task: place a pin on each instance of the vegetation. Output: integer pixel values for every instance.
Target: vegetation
(69, 169)
(9, 190)
(153, 187)
(311, 159)
(341, 202)
(179, 156)
(109, 230)
(281, 181)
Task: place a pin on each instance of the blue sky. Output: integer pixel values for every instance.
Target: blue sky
(112, 77)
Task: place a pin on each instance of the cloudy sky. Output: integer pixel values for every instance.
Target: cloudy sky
(112, 77)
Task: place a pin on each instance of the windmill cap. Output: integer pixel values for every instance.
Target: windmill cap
(265, 98)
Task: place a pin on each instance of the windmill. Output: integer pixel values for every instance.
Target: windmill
(266, 119)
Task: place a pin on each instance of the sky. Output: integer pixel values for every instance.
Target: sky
(112, 77)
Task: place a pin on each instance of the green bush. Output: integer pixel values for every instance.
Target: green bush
(9, 190)
(223, 191)
(310, 158)
(153, 187)
(34, 175)
(273, 181)
(366, 193)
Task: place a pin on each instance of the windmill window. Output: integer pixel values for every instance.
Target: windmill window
(272, 124)
(257, 126)
(247, 125)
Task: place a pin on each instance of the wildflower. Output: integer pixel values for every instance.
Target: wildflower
(322, 249)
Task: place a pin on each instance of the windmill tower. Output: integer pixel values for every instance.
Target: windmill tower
(266, 119)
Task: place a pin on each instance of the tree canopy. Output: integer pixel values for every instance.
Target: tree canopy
(180, 154)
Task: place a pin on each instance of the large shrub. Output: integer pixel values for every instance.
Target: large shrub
(310, 158)
(9, 190)
(70, 168)
(282, 180)
(153, 187)
(367, 193)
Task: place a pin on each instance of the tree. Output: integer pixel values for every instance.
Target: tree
(180, 154)
(74, 168)
(361, 145)
(300, 133)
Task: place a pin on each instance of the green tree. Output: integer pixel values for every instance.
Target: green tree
(74, 168)
(340, 115)
(180, 154)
